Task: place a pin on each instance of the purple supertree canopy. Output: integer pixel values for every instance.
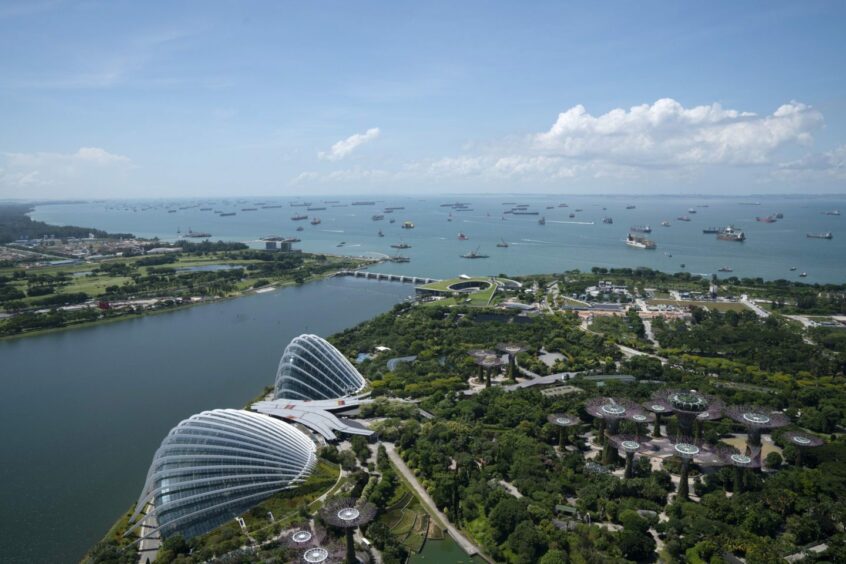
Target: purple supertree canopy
(691, 449)
(612, 409)
(803, 440)
(563, 420)
(732, 457)
(485, 358)
(659, 406)
(756, 417)
(346, 514)
(640, 416)
(631, 443)
(689, 402)
(512, 348)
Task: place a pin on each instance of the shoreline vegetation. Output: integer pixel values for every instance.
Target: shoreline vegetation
(518, 505)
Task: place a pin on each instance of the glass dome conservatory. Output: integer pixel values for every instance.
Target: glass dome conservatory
(312, 369)
(218, 464)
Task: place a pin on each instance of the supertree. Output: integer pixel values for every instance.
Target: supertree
(802, 441)
(345, 514)
(659, 406)
(640, 418)
(564, 422)
(486, 360)
(690, 450)
(316, 555)
(630, 444)
(756, 420)
(609, 412)
(732, 457)
(691, 408)
(512, 349)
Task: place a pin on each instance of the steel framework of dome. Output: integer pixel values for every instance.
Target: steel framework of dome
(217, 464)
(312, 369)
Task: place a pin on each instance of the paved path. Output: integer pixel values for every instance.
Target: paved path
(629, 352)
(456, 535)
(759, 311)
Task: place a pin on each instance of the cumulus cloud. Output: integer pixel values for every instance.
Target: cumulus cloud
(666, 133)
(346, 146)
(831, 164)
(28, 174)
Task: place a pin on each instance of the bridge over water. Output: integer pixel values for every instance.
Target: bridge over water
(387, 277)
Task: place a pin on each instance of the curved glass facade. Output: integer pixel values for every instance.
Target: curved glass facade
(218, 464)
(312, 369)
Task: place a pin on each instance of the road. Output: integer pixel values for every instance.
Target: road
(759, 311)
(426, 500)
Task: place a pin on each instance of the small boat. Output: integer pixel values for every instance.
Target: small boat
(550, 207)
(711, 230)
(380, 233)
(669, 255)
(315, 221)
(665, 223)
(407, 225)
(542, 221)
(731, 234)
(630, 207)
(682, 265)
(691, 210)
(502, 244)
(462, 236)
(725, 269)
(832, 212)
(640, 229)
(803, 275)
(401, 245)
(572, 215)
(377, 217)
(825, 235)
(392, 220)
(474, 255)
(779, 215)
(607, 220)
(792, 268)
(300, 228)
(683, 218)
(341, 244)
(767, 219)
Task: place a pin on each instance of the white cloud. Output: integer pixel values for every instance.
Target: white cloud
(46, 174)
(828, 164)
(346, 146)
(668, 134)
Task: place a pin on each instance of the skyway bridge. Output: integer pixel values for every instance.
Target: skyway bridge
(387, 277)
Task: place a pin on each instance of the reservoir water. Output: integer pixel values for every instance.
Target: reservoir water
(563, 243)
(83, 410)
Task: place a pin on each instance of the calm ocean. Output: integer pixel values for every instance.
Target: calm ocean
(564, 243)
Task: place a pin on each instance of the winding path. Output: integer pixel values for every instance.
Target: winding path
(426, 500)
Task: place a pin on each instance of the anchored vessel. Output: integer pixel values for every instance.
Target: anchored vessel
(731, 234)
(474, 255)
(639, 242)
(640, 229)
(826, 235)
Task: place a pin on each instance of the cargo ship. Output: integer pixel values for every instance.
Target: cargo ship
(401, 245)
(296, 217)
(363, 203)
(683, 218)
(731, 234)
(639, 242)
(711, 230)
(607, 220)
(832, 212)
(826, 235)
(315, 221)
(665, 223)
(767, 219)
(197, 234)
(227, 214)
(377, 217)
(316, 209)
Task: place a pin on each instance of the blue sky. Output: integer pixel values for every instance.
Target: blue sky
(127, 99)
